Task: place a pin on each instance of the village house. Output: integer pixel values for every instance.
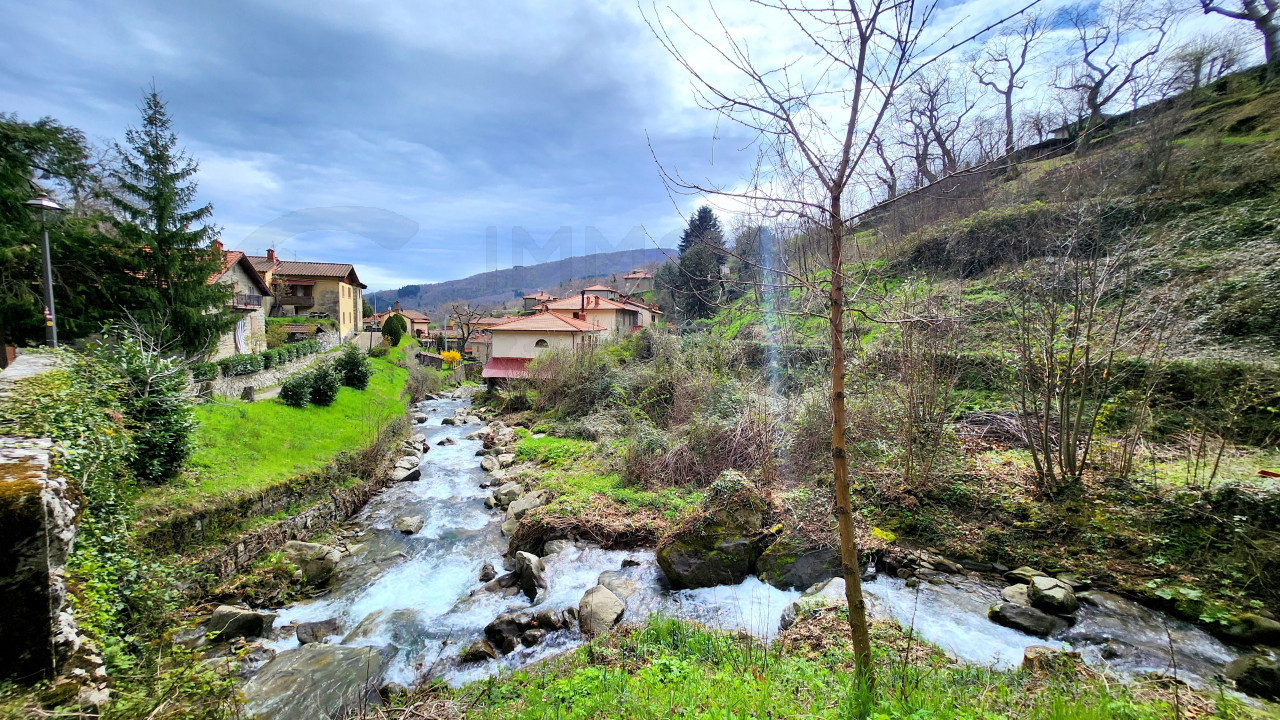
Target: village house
(637, 281)
(314, 289)
(518, 340)
(250, 299)
(416, 323)
(532, 301)
(592, 304)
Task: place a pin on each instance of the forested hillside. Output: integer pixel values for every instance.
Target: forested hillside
(497, 288)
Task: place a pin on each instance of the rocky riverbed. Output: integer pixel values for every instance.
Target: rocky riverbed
(427, 586)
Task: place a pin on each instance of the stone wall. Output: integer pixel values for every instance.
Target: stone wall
(39, 511)
(242, 551)
(234, 386)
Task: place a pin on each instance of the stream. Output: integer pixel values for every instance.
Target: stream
(410, 595)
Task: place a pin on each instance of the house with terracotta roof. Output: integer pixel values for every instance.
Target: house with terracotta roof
(615, 317)
(416, 323)
(515, 342)
(636, 282)
(603, 291)
(314, 288)
(250, 298)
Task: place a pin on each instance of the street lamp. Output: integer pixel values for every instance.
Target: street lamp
(47, 210)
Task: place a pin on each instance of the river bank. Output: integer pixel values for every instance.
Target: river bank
(411, 602)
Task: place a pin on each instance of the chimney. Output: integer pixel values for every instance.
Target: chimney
(271, 254)
(217, 245)
(583, 297)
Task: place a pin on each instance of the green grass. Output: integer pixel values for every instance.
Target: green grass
(669, 669)
(244, 446)
(577, 482)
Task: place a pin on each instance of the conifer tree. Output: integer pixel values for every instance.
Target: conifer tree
(702, 251)
(171, 244)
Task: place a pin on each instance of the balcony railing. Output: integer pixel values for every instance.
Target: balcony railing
(245, 300)
(300, 300)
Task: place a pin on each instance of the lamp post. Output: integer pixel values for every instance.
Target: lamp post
(47, 209)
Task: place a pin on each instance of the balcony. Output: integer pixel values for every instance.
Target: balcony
(246, 301)
(298, 300)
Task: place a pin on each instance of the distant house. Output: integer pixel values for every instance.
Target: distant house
(416, 323)
(533, 300)
(250, 298)
(518, 340)
(303, 289)
(603, 291)
(614, 317)
(636, 282)
(648, 313)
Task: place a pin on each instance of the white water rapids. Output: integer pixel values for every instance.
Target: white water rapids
(411, 594)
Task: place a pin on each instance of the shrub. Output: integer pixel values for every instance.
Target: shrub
(325, 384)
(451, 358)
(240, 365)
(379, 351)
(204, 372)
(156, 406)
(296, 390)
(422, 381)
(354, 367)
(270, 359)
(393, 329)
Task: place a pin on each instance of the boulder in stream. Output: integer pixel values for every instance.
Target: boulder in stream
(507, 494)
(619, 584)
(1253, 629)
(827, 592)
(525, 503)
(478, 651)
(309, 632)
(1026, 619)
(449, 440)
(1051, 595)
(722, 549)
(408, 524)
(408, 462)
(489, 463)
(1016, 594)
(317, 562)
(315, 681)
(229, 621)
(599, 610)
(406, 475)
(1022, 575)
(786, 564)
(557, 546)
(487, 572)
(532, 574)
(1256, 674)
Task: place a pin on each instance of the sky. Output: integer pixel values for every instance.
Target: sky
(421, 141)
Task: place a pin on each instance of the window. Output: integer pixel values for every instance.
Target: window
(540, 344)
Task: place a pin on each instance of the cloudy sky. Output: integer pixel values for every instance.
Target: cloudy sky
(414, 139)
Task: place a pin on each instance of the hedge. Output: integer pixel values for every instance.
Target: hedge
(243, 364)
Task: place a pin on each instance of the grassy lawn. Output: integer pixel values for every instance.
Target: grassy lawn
(243, 446)
(668, 669)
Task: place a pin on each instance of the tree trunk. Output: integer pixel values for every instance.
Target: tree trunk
(1008, 123)
(849, 560)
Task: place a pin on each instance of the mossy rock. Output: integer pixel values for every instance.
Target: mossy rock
(722, 548)
(788, 563)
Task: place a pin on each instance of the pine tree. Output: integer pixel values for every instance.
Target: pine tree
(702, 251)
(172, 245)
(704, 228)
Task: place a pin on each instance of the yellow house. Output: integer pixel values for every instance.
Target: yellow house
(308, 288)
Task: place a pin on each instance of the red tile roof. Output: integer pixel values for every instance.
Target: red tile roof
(637, 275)
(540, 296)
(591, 302)
(229, 259)
(342, 271)
(545, 322)
(600, 287)
(506, 367)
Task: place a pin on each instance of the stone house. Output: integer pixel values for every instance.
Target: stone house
(636, 282)
(250, 299)
(303, 289)
(417, 323)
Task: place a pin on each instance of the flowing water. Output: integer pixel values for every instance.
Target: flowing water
(411, 594)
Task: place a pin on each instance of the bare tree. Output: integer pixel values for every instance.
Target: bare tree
(1262, 13)
(465, 315)
(1001, 65)
(938, 101)
(1204, 59)
(815, 121)
(1114, 41)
